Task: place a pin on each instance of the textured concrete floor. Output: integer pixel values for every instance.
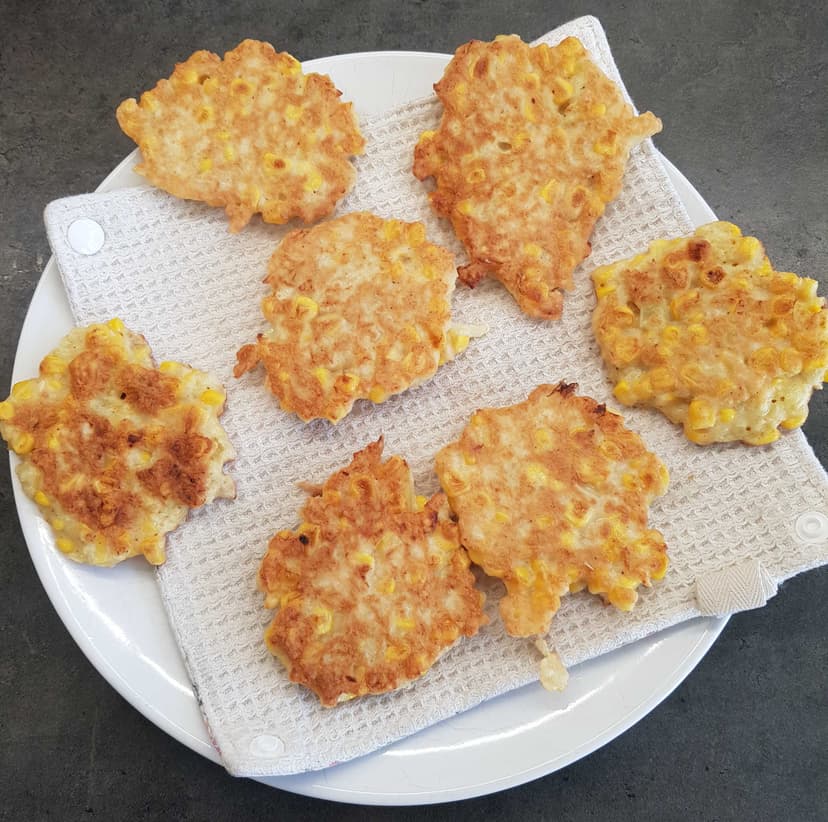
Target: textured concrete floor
(742, 90)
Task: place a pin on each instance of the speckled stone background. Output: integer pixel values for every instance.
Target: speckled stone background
(742, 90)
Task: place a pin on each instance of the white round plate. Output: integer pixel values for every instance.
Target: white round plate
(117, 618)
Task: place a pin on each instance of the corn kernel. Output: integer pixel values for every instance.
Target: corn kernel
(692, 376)
(229, 153)
(361, 558)
(212, 397)
(404, 623)
(727, 414)
(526, 576)
(624, 349)
(606, 146)
(791, 361)
(241, 86)
(698, 334)
(794, 422)
(464, 207)
(204, 165)
(24, 390)
(377, 394)
(459, 342)
(313, 181)
(65, 545)
(415, 234)
(291, 65)
(426, 136)
(325, 619)
(622, 598)
(388, 586)
(391, 229)
(561, 90)
(603, 290)
(543, 437)
(478, 175)
(547, 193)
(149, 101)
(765, 359)
(347, 383)
(701, 414)
(6, 410)
(577, 517)
(681, 303)
(748, 248)
(52, 364)
(420, 502)
(293, 113)
(305, 305)
(519, 140)
(598, 110)
(532, 250)
(394, 653)
(765, 438)
(536, 474)
(23, 444)
(323, 376)
(529, 112)
(623, 393)
(41, 499)
(610, 449)
(662, 379)
(660, 567)
(630, 481)
(671, 333)
(501, 516)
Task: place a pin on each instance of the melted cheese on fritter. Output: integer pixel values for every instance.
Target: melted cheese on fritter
(551, 496)
(531, 147)
(372, 587)
(703, 329)
(114, 451)
(360, 309)
(251, 133)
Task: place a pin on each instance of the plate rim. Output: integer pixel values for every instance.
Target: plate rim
(321, 789)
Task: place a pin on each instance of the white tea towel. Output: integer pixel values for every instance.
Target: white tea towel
(171, 270)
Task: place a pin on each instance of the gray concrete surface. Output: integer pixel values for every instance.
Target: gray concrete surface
(742, 91)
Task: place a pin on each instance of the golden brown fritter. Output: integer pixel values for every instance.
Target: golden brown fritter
(372, 587)
(361, 308)
(531, 147)
(551, 496)
(251, 133)
(114, 451)
(703, 329)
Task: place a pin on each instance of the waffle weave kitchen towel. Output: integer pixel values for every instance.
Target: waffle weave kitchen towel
(171, 271)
